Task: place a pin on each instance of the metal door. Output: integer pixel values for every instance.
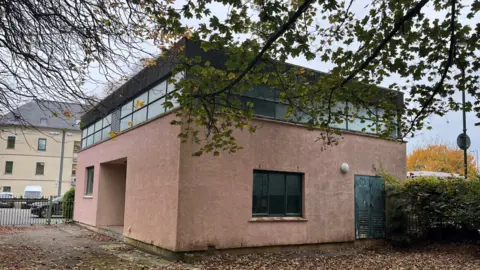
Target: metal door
(369, 207)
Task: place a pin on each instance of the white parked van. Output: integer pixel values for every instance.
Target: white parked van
(32, 192)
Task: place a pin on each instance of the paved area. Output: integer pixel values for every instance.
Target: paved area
(73, 247)
(68, 247)
(19, 217)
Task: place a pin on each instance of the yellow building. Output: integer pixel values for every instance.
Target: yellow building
(31, 142)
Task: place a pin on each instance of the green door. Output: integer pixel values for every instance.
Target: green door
(369, 207)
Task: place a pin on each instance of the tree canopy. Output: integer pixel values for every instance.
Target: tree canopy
(441, 158)
(428, 50)
(50, 49)
(431, 47)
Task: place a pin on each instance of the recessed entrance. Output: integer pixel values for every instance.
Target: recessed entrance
(111, 194)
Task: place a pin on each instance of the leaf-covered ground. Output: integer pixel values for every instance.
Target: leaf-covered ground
(433, 257)
(71, 247)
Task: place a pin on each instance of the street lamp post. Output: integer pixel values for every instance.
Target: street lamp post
(465, 163)
(463, 141)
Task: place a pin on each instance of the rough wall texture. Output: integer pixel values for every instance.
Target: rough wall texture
(182, 203)
(152, 154)
(215, 193)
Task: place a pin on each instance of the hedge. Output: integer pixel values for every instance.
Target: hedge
(67, 204)
(429, 208)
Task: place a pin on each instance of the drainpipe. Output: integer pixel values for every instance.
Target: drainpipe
(59, 191)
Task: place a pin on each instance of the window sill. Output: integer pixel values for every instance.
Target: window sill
(88, 197)
(277, 219)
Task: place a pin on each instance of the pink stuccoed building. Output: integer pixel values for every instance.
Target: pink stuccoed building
(282, 189)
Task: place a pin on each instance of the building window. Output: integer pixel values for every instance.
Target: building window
(156, 108)
(8, 167)
(345, 115)
(149, 104)
(74, 169)
(97, 137)
(126, 109)
(89, 182)
(98, 125)
(39, 170)
(42, 144)
(157, 91)
(95, 133)
(277, 194)
(7, 189)
(143, 107)
(140, 116)
(91, 130)
(11, 142)
(360, 120)
(76, 146)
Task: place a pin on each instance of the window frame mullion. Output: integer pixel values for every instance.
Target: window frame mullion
(285, 194)
(268, 193)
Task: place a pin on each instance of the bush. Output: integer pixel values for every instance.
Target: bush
(67, 204)
(429, 208)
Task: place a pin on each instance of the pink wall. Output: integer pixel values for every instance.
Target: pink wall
(152, 153)
(85, 209)
(215, 196)
(111, 187)
(181, 203)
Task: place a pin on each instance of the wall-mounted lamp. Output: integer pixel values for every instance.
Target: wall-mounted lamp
(344, 168)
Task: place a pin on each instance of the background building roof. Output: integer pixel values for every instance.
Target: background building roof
(413, 174)
(45, 114)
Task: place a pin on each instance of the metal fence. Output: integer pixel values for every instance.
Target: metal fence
(445, 228)
(27, 211)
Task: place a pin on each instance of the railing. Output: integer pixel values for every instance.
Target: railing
(28, 211)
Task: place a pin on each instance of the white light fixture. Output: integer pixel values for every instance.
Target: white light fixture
(344, 167)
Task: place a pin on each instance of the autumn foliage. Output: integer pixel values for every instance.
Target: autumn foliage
(440, 158)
